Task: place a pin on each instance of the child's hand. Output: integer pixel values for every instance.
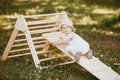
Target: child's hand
(54, 43)
(61, 38)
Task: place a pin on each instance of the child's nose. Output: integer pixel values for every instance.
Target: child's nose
(65, 28)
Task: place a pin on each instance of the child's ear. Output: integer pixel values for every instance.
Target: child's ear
(73, 29)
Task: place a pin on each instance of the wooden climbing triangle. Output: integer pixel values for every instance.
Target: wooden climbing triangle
(27, 37)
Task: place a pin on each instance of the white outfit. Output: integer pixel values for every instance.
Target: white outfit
(78, 44)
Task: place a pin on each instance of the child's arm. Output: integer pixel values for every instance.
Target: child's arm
(64, 40)
(60, 42)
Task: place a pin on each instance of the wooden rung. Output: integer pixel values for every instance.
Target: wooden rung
(21, 34)
(18, 55)
(41, 52)
(60, 64)
(52, 58)
(35, 38)
(18, 45)
(70, 62)
(24, 44)
(41, 31)
(42, 22)
(42, 15)
(36, 42)
(36, 27)
(20, 40)
(26, 49)
(44, 30)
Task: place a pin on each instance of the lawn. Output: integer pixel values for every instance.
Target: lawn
(98, 22)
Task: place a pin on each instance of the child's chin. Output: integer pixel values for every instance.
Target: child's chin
(66, 32)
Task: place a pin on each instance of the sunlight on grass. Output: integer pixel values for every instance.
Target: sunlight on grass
(60, 7)
(86, 20)
(117, 26)
(33, 11)
(102, 11)
(55, 3)
(105, 32)
(44, 3)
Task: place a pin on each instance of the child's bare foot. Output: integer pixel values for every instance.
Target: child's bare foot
(77, 56)
(89, 54)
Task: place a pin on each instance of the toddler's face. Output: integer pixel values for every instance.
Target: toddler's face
(66, 28)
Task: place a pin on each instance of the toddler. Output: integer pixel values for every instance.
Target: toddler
(75, 45)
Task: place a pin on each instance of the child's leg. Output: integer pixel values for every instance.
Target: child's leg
(73, 53)
(89, 54)
(77, 56)
(70, 50)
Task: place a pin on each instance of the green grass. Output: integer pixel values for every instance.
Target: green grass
(96, 21)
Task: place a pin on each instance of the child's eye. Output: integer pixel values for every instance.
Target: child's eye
(63, 27)
(67, 27)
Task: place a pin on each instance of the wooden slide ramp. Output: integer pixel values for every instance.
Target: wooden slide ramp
(94, 65)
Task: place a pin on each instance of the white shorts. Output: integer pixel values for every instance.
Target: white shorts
(75, 49)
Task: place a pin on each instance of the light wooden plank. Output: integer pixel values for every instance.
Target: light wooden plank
(26, 49)
(32, 48)
(46, 59)
(9, 44)
(20, 40)
(108, 74)
(20, 34)
(42, 22)
(39, 52)
(19, 45)
(24, 44)
(43, 15)
(93, 66)
(36, 16)
(40, 42)
(35, 38)
(39, 27)
(59, 64)
(41, 31)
